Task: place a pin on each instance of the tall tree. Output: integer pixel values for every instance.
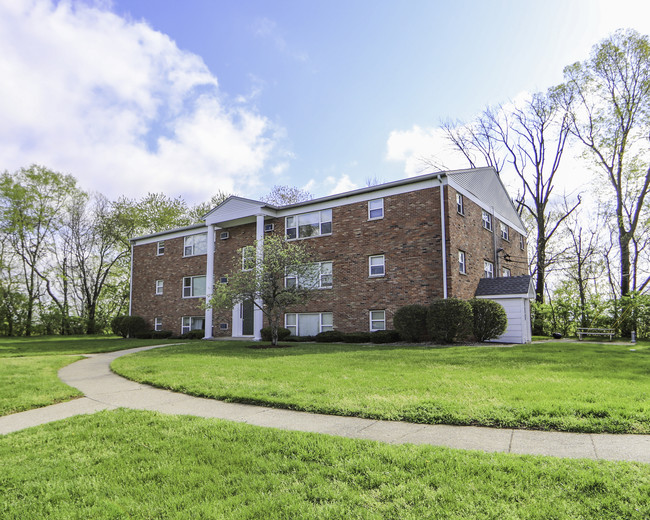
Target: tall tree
(32, 201)
(534, 136)
(96, 233)
(609, 98)
(530, 137)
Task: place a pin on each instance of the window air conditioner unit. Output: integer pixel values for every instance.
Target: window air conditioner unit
(224, 235)
(268, 228)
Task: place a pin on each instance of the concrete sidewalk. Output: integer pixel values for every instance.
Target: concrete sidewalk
(105, 390)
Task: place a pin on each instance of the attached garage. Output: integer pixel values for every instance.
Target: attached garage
(514, 295)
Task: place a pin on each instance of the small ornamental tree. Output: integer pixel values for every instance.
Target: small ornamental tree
(262, 280)
(490, 319)
(449, 320)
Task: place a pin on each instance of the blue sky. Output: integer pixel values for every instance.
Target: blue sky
(190, 97)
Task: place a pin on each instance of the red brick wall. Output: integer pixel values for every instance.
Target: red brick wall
(171, 268)
(468, 234)
(409, 236)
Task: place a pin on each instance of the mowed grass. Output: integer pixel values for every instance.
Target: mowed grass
(142, 465)
(550, 386)
(29, 366)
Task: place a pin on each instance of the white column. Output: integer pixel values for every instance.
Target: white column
(209, 281)
(258, 316)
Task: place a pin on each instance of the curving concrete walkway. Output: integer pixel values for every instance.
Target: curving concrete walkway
(105, 390)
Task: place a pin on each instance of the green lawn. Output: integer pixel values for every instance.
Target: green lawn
(552, 386)
(29, 366)
(141, 465)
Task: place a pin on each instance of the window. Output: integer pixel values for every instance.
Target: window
(318, 276)
(376, 265)
(248, 257)
(505, 231)
(193, 286)
(462, 266)
(375, 209)
(377, 320)
(157, 324)
(223, 279)
(521, 242)
(308, 324)
(189, 323)
(488, 269)
(159, 286)
(160, 248)
(309, 224)
(506, 272)
(487, 220)
(196, 245)
(460, 204)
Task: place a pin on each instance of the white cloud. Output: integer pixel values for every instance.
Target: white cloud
(419, 148)
(120, 106)
(341, 184)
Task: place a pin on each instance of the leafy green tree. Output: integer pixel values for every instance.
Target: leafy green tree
(609, 98)
(32, 202)
(262, 281)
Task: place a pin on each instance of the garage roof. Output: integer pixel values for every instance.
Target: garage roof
(509, 285)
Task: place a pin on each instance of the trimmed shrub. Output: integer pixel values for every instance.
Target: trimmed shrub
(357, 337)
(193, 334)
(385, 336)
(330, 336)
(411, 323)
(490, 319)
(161, 334)
(145, 334)
(300, 339)
(282, 333)
(449, 320)
(128, 326)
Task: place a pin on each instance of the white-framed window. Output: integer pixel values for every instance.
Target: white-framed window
(375, 209)
(505, 231)
(160, 248)
(308, 323)
(506, 272)
(159, 286)
(318, 276)
(376, 265)
(460, 204)
(462, 266)
(195, 245)
(157, 324)
(248, 257)
(307, 225)
(193, 286)
(488, 269)
(189, 323)
(521, 242)
(487, 220)
(377, 320)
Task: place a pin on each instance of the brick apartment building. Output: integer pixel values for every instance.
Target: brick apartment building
(375, 250)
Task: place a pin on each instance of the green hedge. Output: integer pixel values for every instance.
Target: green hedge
(449, 320)
(489, 319)
(411, 323)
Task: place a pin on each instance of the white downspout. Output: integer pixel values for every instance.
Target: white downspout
(444, 238)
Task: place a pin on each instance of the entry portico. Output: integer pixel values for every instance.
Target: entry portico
(236, 211)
